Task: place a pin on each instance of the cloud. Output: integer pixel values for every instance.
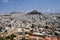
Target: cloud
(48, 10)
(5, 0)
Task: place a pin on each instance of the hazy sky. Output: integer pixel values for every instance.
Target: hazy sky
(27, 5)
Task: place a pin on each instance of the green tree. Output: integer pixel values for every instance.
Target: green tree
(2, 38)
(23, 38)
(11, 37)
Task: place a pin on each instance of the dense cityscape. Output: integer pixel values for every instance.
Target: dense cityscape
(30, 26)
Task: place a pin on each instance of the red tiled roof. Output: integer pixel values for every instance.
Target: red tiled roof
(54, 38)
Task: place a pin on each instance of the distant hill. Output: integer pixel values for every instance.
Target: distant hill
(18, 13)
(35, 12)
(55, 13)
